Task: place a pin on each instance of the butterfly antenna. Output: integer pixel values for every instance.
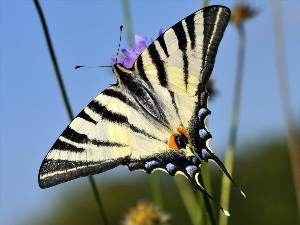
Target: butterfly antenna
(77, 67)
(213, 157)
(121, 28)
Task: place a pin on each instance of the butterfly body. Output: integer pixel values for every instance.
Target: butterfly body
(154, 116)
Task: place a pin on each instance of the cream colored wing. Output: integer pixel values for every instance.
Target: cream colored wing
(114, 129)
(98, 139)
(183, 57)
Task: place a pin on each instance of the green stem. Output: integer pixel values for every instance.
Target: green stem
(98, 200)
(207, 203)
(65, 97)
(128, 21)
(229, 157)
(293, 141)
(193, 208)
(205, 3)
(53, 59)
(156, 191)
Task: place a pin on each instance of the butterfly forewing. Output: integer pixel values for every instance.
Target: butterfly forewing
(98, 139)
(183, 57)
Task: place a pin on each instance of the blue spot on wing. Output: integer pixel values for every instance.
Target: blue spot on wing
(192, 170)
(151, 164)
(171, 168)
(202, 113)
(205, 154)
(202, 133)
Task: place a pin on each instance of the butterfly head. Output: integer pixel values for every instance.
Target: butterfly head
(120, 70)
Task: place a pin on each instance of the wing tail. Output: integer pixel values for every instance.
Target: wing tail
(208, 155)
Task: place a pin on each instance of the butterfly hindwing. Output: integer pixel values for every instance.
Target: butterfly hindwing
(161, 118)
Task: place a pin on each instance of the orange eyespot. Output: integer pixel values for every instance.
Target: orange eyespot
(172, 143)
(179, 140)
(183, 131)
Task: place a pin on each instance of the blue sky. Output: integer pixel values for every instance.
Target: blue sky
(87, 33)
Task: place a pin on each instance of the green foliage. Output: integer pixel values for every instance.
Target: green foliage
(273, 181)
(265, 176)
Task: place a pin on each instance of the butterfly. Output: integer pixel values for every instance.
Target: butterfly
(154, 116)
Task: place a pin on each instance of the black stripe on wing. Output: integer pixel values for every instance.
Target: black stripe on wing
(86, 117)
(175, 105)
(163, 45)
(74, 138)
(182, 45)
(156, 59)
(137, 130)
(53, 172)
(140, 68)
(190, 23)
(106, 114)
(215, 22)
(115, 94)
(63, 146)
(110, 92)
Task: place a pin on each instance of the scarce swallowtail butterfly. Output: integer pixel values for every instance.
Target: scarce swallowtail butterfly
(154, 116)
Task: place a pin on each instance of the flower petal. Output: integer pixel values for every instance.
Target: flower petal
(160, 32)
(131, 54)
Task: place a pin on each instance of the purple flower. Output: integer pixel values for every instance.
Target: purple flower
(130, 55)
